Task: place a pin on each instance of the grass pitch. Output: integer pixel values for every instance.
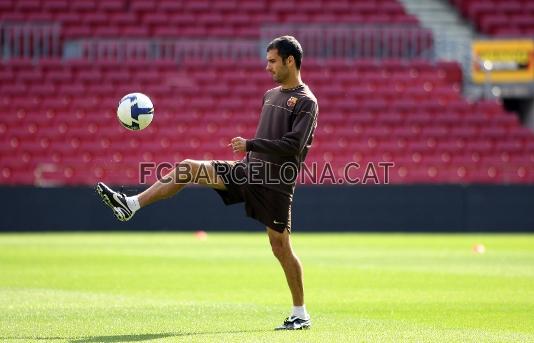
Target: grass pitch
(166, 287)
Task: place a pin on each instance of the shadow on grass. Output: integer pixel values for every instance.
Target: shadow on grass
(148, 337)
(124, 338)
(131, 338)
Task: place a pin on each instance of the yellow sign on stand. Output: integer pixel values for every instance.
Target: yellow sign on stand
(503, 61)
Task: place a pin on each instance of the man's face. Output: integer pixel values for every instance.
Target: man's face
(276, 66)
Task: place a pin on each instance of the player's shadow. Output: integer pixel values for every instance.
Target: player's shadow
(129, 338)
(123, 338)
(148, 337)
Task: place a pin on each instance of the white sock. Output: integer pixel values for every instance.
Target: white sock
(300, 311)
(133, 203)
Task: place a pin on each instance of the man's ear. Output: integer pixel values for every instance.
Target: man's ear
(291, 59)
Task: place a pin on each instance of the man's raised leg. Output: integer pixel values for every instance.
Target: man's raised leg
(185, 172)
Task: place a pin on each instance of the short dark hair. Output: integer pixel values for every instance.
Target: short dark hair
(287, 46)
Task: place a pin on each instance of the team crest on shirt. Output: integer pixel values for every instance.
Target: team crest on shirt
(291, 102)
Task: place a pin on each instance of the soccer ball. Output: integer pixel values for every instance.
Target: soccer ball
(135, 111)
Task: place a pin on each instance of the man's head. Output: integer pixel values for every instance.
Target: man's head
(284, 57)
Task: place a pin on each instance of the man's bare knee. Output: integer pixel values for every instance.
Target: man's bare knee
(188, 164)
(198, 172)
(185, 171)
(279, 244)
(280, 251)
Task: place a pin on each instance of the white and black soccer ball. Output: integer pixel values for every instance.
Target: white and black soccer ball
(135, 111)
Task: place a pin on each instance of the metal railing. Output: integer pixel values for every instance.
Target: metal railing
(356, 41)
(319, 41)
(156, 49)
(30, 40)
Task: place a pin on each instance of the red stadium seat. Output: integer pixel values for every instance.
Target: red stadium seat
(498, 17)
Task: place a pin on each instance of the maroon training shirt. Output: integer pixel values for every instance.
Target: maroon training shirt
(284, 134)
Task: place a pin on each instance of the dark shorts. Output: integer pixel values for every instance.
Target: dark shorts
(269, 207)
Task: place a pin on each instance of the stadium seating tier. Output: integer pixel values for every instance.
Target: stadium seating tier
(193, 18)
(411, 113)
(62, 127)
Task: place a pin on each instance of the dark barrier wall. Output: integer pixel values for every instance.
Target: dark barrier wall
(316, 208)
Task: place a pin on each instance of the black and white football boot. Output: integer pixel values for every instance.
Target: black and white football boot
(295, 323)
(116, 201)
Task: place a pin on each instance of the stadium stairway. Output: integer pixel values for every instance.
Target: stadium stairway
(452, 33)
(439, 16)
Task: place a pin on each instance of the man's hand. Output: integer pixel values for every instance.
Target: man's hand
(238, 144)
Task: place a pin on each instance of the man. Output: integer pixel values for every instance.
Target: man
(265, 179)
